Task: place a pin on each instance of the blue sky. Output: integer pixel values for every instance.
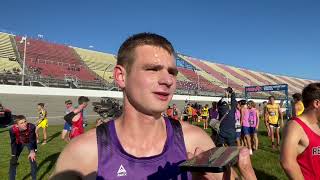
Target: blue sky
(276, 36)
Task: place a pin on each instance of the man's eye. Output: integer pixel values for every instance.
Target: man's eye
(152, 69)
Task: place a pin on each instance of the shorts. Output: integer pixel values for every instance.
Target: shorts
(185, 118)
(226, 138)
(204, 117)
(248, 130)
(43, 124)
(67, 126)
(274, 125)
(238, 135)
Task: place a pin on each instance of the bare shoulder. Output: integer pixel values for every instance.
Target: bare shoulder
(293, 126)
(293, 130)
(79, 156)
(195, 137)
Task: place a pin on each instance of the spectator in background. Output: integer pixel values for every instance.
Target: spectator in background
(266, 123)
(75, 117)
(213, 111)
(272, 115)
(238, 124)
(42, 122)
(205, 116)
(22, 134)
(297, 106)
(213, 118)
(190, 113)
(67, 127)
(254, 124)
(175, 112)
(169, 112)
(227, 133)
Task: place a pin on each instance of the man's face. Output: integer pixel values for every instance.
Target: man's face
(150, 85)
(271, 100)
(68, 105)
(39, 108)
(174, 106)
(22, 124)
(85, 104)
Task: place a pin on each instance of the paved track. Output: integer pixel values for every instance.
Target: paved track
(26, 105)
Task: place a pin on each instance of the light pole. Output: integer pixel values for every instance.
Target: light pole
(24, 39)
(249, 81)
(198, 80)
(225, 76)
(105, 71)
(227, 81)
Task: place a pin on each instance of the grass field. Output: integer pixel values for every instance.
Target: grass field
(265, 161)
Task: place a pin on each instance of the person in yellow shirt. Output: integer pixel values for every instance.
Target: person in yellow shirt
(205, 116)
(297, 107)
(189, 113)
(42, 122)
(272, 114)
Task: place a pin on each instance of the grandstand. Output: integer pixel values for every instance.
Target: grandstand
(57, 65)
(7, 55)
(101, 63)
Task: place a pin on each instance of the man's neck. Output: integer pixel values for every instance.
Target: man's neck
(137, 132)
(310, 117)
(139, 125)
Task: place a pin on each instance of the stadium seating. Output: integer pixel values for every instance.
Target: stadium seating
(204, 84)
(54, 60)
(6, 49)
(57, 61)
(8, 65)
(219, 77)
(98, 62)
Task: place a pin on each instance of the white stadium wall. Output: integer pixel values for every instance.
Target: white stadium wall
(32, 90)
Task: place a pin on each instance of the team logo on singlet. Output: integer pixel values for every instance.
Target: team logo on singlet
(122, 171)
(316, 151)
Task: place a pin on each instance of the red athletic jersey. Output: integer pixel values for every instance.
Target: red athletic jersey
(77, 127)
(309, 160)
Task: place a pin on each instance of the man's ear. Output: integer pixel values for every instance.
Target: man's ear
(119, 75)
(316, 104)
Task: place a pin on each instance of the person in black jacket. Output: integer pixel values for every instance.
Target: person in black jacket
(22, 134)
(227, 132)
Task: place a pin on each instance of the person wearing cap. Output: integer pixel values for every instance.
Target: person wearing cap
(227, 131)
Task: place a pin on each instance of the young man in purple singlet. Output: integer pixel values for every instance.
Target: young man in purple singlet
(141, 144)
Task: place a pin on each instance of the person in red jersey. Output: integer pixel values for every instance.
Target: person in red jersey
(75, 117)
(300, 151)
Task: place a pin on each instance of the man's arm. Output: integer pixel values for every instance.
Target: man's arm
(242, 113)
(77, 112)
(266, 114)
(289, 150)
(194, 146)
(258, 118)
(13, 142)
(74, 115)
(281, 115)
(33, 138)
(233, 101)
(72, 164)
